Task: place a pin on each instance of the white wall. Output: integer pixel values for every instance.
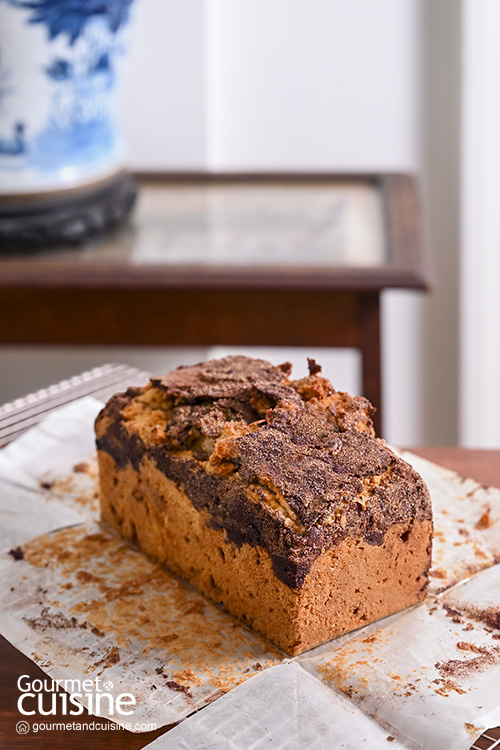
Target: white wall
(274, 84)
(319, 84)
(284, 84)
(164, 102)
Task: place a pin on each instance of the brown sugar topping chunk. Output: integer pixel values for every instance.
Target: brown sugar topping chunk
(232, 380)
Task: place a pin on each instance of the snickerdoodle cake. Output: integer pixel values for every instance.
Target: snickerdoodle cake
(272, 496)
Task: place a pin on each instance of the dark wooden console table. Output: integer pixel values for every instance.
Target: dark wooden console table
(269, 260)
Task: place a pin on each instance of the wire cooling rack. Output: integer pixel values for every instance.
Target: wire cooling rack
(101, 382)
(489, 740)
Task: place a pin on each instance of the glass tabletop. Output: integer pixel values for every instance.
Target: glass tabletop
(307, 224)
(238, 224)
(351, 231)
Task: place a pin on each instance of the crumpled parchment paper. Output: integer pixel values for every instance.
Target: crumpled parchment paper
(83, 603)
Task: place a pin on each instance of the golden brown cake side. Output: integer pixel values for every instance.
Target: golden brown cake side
(271, 496)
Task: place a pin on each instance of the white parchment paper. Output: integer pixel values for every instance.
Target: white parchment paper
(51, 449)
(82, 603)
(431, 673)
(284, 708)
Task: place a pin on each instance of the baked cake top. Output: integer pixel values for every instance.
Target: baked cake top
(292, 465)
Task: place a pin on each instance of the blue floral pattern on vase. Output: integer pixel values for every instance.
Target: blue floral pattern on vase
(15, 145)
(71, 16)
(79, 58)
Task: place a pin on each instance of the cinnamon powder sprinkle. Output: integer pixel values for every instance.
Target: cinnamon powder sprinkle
(459, 669)
(121, 592)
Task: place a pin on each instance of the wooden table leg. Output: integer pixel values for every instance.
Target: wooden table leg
(369, 326)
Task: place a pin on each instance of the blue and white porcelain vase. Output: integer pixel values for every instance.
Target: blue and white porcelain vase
(60, 69)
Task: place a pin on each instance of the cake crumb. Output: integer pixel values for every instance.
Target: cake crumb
(453, 613)
(438, 573)
(314, 368)
(112, 657)
(485, 521)
(17, 553)
(180, 688)
(285, 368)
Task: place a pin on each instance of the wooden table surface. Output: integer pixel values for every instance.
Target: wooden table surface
(483, 465)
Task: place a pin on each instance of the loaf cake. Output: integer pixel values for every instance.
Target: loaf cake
(271, 496)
